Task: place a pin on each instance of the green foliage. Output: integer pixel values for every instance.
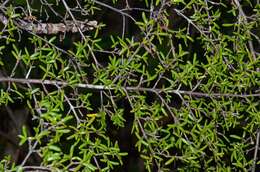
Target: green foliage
(183, 86)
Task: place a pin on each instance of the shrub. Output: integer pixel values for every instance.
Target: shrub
(130, 86)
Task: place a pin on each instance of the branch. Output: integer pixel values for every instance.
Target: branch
(37, 168)
(114, 9)
(256, 149)
(51, 28)
(141, 89)
(244, 17)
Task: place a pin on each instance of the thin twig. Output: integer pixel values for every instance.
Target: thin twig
(31, 150)
(73, 110)
(36, 168)
(194, 25)
(114, 9)
(4, 3)
(80, 30)
(256, 150)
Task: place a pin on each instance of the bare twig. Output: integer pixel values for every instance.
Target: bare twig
(37, 168)
(4, 3)
(114, 9)
(31, 150)
(73, 109)
(256, 150)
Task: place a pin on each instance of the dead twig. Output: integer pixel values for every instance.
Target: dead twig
(51, 28)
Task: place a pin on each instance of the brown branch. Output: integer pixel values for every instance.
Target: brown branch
(74, 22)
(51, 28)
(141, 89)
(54, 28)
